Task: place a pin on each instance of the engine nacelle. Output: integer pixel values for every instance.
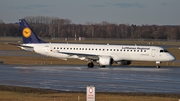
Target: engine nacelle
(105, 60)
(124, 62)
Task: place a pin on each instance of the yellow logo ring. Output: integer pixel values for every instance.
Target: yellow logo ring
(26, 32)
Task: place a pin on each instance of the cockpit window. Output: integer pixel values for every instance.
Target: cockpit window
(163, 51)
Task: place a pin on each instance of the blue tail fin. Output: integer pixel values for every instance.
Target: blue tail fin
(28, 34)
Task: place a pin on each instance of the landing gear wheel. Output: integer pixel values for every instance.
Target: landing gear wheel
(157, 66)
(90, 65)
(103, 66)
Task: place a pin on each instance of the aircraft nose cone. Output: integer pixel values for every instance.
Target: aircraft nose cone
(172, 58)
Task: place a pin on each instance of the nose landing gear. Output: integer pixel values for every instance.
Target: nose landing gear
(158, 64)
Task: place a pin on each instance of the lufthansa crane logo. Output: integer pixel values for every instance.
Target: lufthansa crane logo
(26, 32)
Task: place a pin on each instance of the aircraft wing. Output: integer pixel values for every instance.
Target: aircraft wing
(81, 56)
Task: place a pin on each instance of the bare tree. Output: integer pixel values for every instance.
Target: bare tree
(46, 26)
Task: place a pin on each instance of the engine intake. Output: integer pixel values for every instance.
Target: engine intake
(105, 60)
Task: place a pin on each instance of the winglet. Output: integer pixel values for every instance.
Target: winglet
(28, 34)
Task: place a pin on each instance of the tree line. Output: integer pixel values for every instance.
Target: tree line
(64, 28)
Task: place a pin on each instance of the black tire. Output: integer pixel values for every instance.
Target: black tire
(90, 65)
(157, 66)
(103, 66)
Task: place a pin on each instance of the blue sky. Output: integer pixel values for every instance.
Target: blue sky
(139, 12)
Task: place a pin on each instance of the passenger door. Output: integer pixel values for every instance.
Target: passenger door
(153, 52)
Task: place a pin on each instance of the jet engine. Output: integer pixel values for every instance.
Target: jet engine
(105, 60)
(124, 62)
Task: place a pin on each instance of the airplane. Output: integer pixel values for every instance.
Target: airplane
(104, 55)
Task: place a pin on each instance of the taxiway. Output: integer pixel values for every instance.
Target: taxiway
(77, 77)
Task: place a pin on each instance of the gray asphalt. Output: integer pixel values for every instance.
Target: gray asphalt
(110, 79)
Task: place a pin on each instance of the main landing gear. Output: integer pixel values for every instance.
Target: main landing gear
(90, 64)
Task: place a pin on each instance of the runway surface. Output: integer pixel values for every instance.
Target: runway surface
(109, 79)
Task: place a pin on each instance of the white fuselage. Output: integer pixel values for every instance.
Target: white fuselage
(117, 52)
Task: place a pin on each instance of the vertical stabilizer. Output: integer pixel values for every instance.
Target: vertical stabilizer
(28, 34)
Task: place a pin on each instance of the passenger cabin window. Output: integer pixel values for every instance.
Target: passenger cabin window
(96, 49)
